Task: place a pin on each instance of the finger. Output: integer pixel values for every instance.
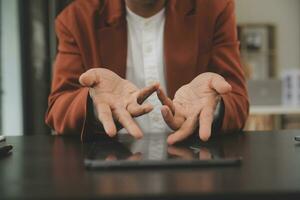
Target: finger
(165, 100)
(128, 123)
(137, 110)
(90, 78)
(105, 117)
(173, 122)
(221, 85)
(205, 122)
(146, 92)
(186, 130)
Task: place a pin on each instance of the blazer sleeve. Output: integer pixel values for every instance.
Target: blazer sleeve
(68, 101)
(225, 60)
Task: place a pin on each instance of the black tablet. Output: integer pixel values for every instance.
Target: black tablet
(152, 151)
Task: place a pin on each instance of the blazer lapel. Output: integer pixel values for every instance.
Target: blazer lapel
(113, 38)
(181, 43)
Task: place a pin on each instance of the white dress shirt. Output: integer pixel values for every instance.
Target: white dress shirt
(145, 63)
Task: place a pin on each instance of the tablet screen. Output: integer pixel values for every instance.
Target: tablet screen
(153, 151)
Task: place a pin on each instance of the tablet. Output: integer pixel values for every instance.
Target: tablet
(152, 151)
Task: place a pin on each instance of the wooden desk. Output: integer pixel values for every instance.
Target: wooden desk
(52, 168)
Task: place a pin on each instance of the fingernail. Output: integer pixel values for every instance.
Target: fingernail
(204, 138)
(138, 137)
(109, 132)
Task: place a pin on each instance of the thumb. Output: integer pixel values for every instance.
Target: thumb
(221, 85)
(89, 78)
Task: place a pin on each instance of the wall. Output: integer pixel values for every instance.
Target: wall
(285, 14)
(12, 123)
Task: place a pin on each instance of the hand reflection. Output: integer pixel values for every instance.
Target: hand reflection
(134, 157)
(190, 153)
(184, 153)
(205, 154)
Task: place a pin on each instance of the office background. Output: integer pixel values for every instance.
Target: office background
(28, 46)
(269, 31)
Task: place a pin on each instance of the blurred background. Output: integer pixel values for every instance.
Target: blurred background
(269, 31)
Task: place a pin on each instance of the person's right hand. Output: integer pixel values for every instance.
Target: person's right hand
(117, 99)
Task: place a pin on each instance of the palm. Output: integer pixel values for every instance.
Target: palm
(193, 104)
(115, 91)
(189, 100)
(116, 99)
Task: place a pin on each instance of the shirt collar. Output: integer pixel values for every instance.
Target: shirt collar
(141, 21)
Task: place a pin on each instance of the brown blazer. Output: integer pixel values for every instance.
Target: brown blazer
(200, 36)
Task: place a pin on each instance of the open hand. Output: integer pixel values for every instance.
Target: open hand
(117, 99)
(194, 104)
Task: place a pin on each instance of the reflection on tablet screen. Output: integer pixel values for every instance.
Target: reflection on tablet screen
(153, 151)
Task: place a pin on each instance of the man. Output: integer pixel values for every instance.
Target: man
(113, 54)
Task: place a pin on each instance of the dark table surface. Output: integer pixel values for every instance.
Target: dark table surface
(52, 167)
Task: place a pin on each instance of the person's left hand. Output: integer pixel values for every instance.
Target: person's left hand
(194, 104)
